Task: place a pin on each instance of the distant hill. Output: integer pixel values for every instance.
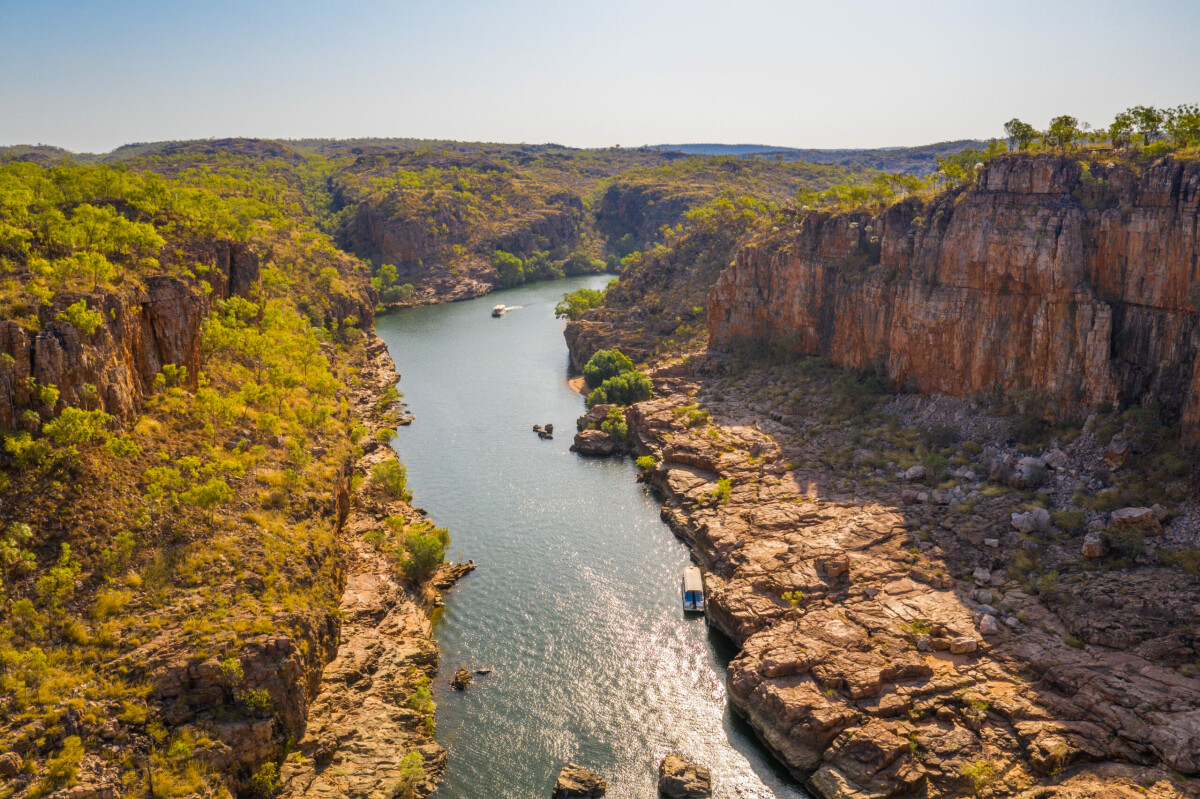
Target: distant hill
(911, 160)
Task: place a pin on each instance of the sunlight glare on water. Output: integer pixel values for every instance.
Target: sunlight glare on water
(575, 603)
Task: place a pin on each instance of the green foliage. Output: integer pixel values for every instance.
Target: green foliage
(209, 496)
(510, 267)
(392, 477)
(85, 321)
(58, 583)
(122, 446)
(75, 426)
(265, 782)
(793, 598)
(623, 389)
(963, 168)
(605, 364)
(723, 491)
(410, 776)
(979, 775)
(423, 555)
(646, 463)
(63, 769)
(257, 703)
(1020, 134)
(614, 424)
(1123, 544)
(575, 303)
(14, 558)
(1063, 132)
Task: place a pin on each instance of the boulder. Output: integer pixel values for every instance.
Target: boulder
(594, 442)
(1055, 459)
(576, 781)
(461, 679)
(1036, 520)
(963, 646)
(915, 473)
(10, 765)
(678, 777)
(988, 625)
(1093, 546)
(1030, 473)
(1116, 454)
(1142, 519)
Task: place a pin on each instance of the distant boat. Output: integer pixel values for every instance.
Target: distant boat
(498, 310)
(693, 590)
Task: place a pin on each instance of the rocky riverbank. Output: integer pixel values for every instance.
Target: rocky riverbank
(903, 638)
(371, 711)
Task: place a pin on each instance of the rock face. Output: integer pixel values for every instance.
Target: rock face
(681, 779)
(895, 673)
(361, 721)
(577, 781)
(593, 442)
(1078, 285)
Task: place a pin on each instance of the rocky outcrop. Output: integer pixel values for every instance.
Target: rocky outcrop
(364, 719)
(577, 782)
(681, 779)
(886, 651)
(1079, 284)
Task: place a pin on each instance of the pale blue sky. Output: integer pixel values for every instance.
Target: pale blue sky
(91, 75)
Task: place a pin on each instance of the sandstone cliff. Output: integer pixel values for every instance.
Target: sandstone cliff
(1079, 283)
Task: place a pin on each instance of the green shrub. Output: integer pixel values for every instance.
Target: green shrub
(604, 365)
(724, 489)
(392, 477)
(122, 446)
(614, 424)
(1123, 544)
(979, 774)
(646, 463)
(84, 320)
(575, 303)
(208, 496)
(623, 389)
(265, 781)
(76, 426)
(411, 776)
(424, 553)
(1068, 520)
(63, 769)
(257, 703)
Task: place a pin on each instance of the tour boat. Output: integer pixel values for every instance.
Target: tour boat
(499, 310)
(693, 590)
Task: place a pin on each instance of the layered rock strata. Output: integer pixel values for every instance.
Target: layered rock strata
(1081, 283)
(872, 666)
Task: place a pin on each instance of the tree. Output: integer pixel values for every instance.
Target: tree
(1063, 131)
(1183, 124)
(605, 364)
(208, 496)
(510, 267)
(575, 303)
(1020, 134)
(392, 477)
(1120, 132)
(84, 320)
(424, 555)
(1149, 122)
(623, 389)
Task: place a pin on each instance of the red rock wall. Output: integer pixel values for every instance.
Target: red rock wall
(1079, 284)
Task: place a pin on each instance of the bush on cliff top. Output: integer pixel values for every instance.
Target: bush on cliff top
(624, 389)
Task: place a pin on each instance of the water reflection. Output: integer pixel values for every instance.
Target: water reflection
(576, 602)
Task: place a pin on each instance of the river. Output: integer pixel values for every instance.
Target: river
(576, 602)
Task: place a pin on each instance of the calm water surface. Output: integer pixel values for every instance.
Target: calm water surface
(576, 600)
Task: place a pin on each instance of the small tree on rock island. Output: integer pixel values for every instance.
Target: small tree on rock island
(208, 496)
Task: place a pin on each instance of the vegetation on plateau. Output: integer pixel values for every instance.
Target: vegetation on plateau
(204, 524)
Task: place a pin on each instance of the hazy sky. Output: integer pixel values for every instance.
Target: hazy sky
(91, 75)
